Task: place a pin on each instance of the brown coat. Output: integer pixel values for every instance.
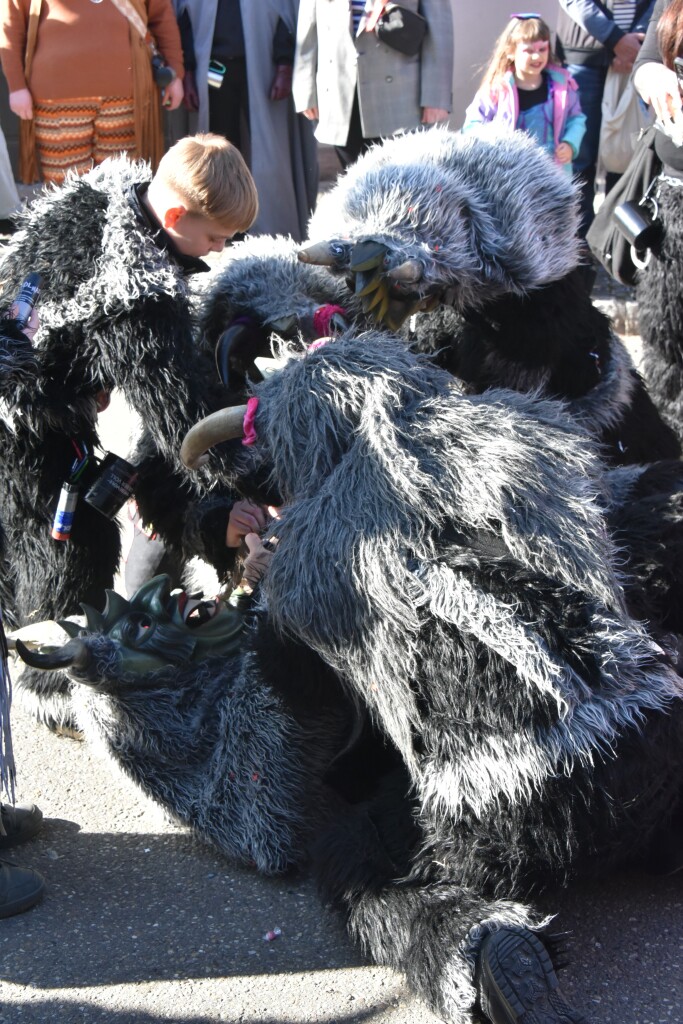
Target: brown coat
(71, 49)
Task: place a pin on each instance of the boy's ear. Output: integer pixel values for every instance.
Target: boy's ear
(173, 215)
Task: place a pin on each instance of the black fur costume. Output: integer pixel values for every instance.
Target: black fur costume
(114, 313)
(660, 309)
(447, 559)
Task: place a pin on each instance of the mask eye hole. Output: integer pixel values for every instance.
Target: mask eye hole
(138, 629)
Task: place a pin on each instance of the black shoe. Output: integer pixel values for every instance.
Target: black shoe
(517, 982)
(20, 824)
(20, 888)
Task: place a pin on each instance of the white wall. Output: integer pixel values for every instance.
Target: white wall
(477, 24)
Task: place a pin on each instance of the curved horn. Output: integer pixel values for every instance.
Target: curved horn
(219, 426)
(409, 272)
(320, 253)
(73, 654)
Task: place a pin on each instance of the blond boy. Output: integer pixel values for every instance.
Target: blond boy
(114, 248)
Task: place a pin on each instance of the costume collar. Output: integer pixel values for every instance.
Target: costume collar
(145, 217)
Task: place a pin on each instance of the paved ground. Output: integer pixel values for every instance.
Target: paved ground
(142, 924)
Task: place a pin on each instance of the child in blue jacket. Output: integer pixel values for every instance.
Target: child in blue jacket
(525, 88)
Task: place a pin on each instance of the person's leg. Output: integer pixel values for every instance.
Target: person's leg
(591, 83)
(229, 104)
(114, 128)
(355, 143)
(64, 136)
(10, 202)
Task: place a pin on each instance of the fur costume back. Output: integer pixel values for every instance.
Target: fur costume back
(114, 313)
(485, 225)
(447, 557)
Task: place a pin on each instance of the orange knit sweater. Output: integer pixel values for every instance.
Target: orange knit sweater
(83, 48)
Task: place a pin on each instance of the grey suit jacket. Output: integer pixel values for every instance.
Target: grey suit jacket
(392, 89)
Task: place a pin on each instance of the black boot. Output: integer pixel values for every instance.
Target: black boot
(19, 824)
(517, 982)
(20, 888)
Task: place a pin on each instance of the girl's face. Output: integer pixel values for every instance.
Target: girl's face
(529, 59)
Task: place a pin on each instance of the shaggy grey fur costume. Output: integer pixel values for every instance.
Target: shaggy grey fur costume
(261, 288)
(114, 313)
(486, 226)
(447, 557)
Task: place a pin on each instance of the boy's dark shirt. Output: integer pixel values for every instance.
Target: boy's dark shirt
(188, 264)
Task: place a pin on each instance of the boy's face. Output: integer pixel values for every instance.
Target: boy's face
(194, 234)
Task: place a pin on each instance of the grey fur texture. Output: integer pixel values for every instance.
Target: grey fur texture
(375, 452)
(212, 743)
(483, 215)
(263, 278)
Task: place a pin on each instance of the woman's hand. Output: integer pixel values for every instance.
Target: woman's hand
(21, 103)
(172, 95)
(311, 113)
(658, 86)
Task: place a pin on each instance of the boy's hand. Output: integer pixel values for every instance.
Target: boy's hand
(257, 561)
(245, 517)
(564, 153)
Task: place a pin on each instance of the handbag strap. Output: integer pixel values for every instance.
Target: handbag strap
(31, 35)
(375, 14)
(128, 10)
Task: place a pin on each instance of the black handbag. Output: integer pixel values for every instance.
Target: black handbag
(401, 29)
(626, 226)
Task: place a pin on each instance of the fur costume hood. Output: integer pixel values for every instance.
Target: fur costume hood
(262, 279)
(441, 550)
(480, 216)
(129, 264)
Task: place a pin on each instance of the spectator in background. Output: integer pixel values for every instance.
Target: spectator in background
(80, 78)
(239, 57)
(10, 202)
(523, 88)
(360, 90)
(591, 37)
(659, 286)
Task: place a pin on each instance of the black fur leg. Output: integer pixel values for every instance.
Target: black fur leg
(516, 981)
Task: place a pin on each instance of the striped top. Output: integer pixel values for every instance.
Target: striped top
(623, 13)
(357, 12)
